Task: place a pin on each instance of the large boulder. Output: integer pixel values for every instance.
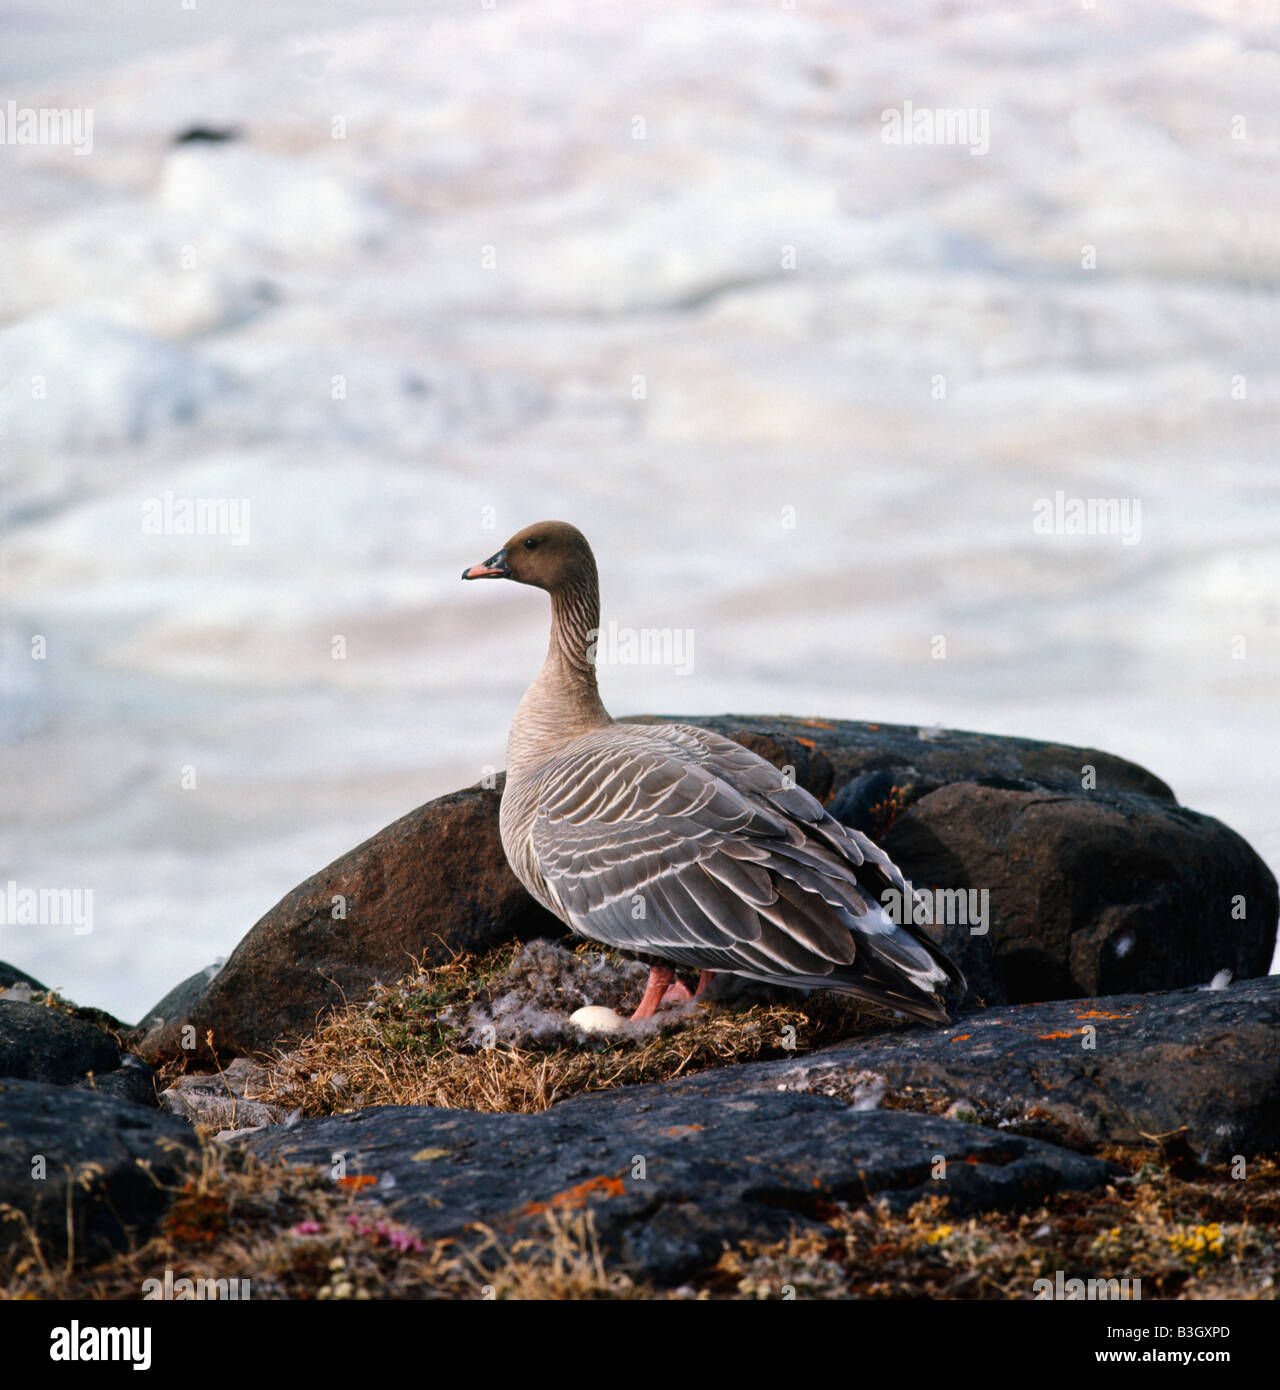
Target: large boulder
(433, 883)
(1202, 1063)
(132, 1080)
(828, 754)
(669, 1178)
(98, 1164)
(38, 1043)
(1094, 892)
(10, 975)
(179, 1003)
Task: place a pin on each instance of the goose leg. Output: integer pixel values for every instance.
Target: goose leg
(678, 990)
(660, 978)
(663, 985)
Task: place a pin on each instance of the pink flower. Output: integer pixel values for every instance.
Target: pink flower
(405, 1243)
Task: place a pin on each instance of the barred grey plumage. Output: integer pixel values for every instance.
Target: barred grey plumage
(681, 846)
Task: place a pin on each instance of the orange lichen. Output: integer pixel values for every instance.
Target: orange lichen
(962, 1037)
(1070, 1033)
(196, 1218)
(362, 1180)
(575, 1197)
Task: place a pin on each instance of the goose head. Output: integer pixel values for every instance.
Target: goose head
(549, 555)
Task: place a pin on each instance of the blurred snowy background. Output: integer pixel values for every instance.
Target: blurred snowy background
(650, 268)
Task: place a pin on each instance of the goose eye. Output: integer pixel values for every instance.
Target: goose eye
(531, 543)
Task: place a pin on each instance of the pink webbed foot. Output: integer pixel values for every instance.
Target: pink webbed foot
(660, 978)
(664, 987)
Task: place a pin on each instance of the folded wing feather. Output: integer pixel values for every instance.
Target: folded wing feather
(672, 841)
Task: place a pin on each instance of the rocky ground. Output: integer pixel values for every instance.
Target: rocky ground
(382, 1093)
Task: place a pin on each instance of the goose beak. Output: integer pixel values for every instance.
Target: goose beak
(495, 567)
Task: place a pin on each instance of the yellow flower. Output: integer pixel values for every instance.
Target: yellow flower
(1198, 1241)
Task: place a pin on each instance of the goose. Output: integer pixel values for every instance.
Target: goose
(680, 847)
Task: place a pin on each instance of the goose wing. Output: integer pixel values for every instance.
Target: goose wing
(670, 841)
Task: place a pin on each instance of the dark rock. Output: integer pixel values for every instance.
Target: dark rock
(1094, 892)
(18, 987)
(207, 135)
(976, 956)
(132, 1080)
(1201, 1060)
(433, 883)
(670, 1178)
(97, 1145)
(99, 1018)
(179, 1003)
(38, 1043)
(928, 758)
(870, 801)
(11, 975)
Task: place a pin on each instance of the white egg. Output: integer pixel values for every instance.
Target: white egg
(595, 1018)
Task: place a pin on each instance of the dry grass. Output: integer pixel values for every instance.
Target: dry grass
(411, 1044)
